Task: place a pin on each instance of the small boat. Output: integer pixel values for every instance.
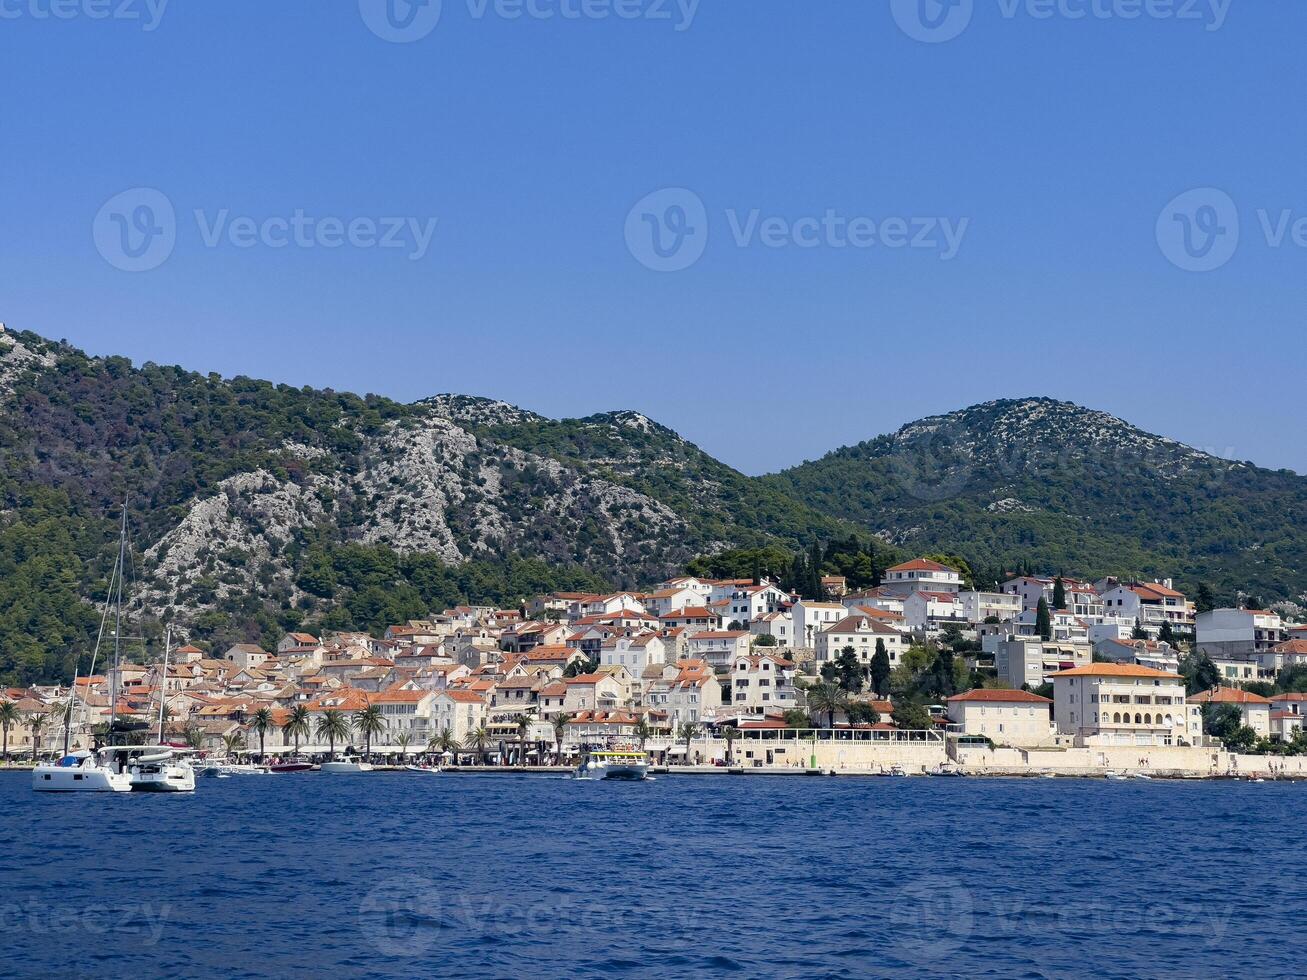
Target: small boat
(896, 770)
(1111, 774)
(158, 769)
(946, 770)
(81, 772)
(345, 766)
(614, 764)
(1140, 775)
(431, 770)
(298, 765)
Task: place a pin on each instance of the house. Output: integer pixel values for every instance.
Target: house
(1124, 704)
(1024, 661)
(1150, 604)
(666, 601)
(1254, 710)
(633, 651)
(692, 619)
(688, 691)
(461, 712)
(921, 575)
(1290, 653)
(593, 692)
(292, 640)
(1016, 718)
(977, 607)
(1238, 634)
(406, 711)
(762, 683)
(718, 647)
(811, 617)
(862, 633)
(246, 655)
(1288, 715)
(933, 610)
(746, 603)
(1157, 654)
(778, 625)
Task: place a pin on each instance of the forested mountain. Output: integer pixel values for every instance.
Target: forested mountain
(1056, 487)
(257, 507)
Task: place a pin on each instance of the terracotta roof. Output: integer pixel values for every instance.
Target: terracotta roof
(1115, 670)
(1227, 695)
(990, 695)
(922, 565)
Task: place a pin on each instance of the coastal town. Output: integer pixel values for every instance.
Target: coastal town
(917, 674)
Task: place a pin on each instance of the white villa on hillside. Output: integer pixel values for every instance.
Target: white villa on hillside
(921, 574)
(1124, 704)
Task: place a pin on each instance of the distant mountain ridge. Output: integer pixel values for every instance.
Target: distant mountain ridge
(256, 506)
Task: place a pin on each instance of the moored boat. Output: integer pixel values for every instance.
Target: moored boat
(614, 764)
(345, 766)
(295, 765)
(81, 772)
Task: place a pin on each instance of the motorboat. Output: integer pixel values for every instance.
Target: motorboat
(295, 765)
(946, 770)
(613, 764)
(431, 770)
(1111, 774)
(345, 766)
(81, 772)
(1140, 775)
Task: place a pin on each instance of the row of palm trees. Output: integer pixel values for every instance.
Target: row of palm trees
(11, 716)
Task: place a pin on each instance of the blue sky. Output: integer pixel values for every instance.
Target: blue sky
(1056, 148)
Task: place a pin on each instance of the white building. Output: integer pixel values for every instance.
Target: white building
(980, 606)
(779, 626)
(811, 617)
(1254, 709)
(718, 647)
(1150, 604)
(1016, 718)
(1238, 634)
(934, 610)
(762, 683)
(1124, 704)
(1029, 661)
(861, 633)
(921, 574)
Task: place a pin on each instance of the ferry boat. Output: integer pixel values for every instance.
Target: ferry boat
(614, 764)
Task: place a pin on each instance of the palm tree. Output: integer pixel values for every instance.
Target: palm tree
(643, 731)
(368, 722)
(829, 699)
(261, 722)
(37, 722)
(560, 729)
(402, 740)
(331, 726)
(685, 732)
(8, 716)
(296, 724)
(480, 739)
(523, 729)
(232, 741)
(730, 733)
(445, 743)
(195, 738)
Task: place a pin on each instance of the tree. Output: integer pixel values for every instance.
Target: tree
(36, 722)
(523, 730)
(332, 726)
(1059, 593)
(796, 718)
(231, 742)
(688, 730)
(1139, 633)
(880, 668)
(1204, 601)
(765, 640)
(861, 713)
(445, 743)
(730, 733)
(261, 722)
(296, 725)
(560, 730)
(481, 741)
(1221, 721)
(1166, 634)
(643, 731)
(402, 740)
(827, 699)
(915, 717)
(1199, 673)
(850, 670)
(194, 738)
(8, 717)
(940, 681)
(1043, 621)
(368, 722)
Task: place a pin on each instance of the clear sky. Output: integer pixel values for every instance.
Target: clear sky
(789, 286)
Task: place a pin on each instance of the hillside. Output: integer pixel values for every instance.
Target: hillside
(1064, 488)
(255, 507)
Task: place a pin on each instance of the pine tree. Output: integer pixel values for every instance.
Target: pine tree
(1204, 601)
(1043, 621)
(880, 668)
(1059, 593)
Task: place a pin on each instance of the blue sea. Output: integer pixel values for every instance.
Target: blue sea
(398, 875)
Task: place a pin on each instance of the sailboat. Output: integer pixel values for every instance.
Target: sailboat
(116, 768)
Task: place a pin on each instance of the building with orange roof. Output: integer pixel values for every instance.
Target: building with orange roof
(1124, 704)
(1007, 717)
(921, 574)
(1254, 709)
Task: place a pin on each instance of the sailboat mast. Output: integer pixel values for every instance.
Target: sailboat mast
(95, 653)
(163, 689)
(118, 623)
